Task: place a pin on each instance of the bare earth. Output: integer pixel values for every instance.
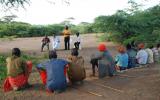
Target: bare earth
(134, 84)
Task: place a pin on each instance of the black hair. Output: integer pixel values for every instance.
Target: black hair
(16, 52)
(158, 45)
(151, 47)
(52, 54)
(66, 27)
(74, 52)
(77, 33)
(128, 46)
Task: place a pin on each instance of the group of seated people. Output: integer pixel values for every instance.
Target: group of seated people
(57, 73)
(127, 57)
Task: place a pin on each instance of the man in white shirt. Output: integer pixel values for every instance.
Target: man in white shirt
(142, 55)
(77, 42)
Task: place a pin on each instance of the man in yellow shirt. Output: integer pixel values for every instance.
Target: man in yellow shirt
(67, 34)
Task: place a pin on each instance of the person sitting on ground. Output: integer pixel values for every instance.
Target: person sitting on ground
(77, 41)
(76, 70)
(158, 47)
(150, 55)
(55, 42)
(45, 42)
(17, 71)
(132, 56)
(56, 73)
(155, 54)
(142, 55)
(105, 62)
(121, 59)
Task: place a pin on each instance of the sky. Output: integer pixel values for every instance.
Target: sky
(44, 12)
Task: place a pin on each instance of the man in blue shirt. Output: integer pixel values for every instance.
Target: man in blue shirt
(56, 72)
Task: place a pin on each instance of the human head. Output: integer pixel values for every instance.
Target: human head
(102, 47)
(158, 45)
(141, 45)
(16, 52)
(121, 49)
(128, 46)
(74, 52)
(151, 47)
(52, 54)
(54, 35)
(66, 27)
(77, 33)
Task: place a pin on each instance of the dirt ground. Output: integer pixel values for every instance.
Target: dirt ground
(134, 84)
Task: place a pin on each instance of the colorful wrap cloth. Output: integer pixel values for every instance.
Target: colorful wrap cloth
(18, 81)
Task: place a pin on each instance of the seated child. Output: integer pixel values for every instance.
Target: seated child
(76, 70)
(121, 59)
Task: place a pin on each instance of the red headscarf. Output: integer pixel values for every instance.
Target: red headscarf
(102, 47)
(141, 45)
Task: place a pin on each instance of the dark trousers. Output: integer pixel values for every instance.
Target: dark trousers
(122, 68)
(76, 44)
(67, 42)
(94, 63)
(44, 44)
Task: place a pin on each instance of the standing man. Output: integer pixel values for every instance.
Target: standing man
(45, 42)
(67, 33)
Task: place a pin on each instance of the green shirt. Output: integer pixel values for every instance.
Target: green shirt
(15, 66)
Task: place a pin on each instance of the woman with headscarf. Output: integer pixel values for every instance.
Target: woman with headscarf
(18, 72)
(105, 62)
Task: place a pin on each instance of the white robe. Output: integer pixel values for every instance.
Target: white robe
(56, 43)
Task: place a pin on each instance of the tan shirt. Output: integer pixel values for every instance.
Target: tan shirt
(66, 33)
(15, 66)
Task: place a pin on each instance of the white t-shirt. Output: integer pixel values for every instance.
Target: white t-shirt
(78, 39)
(150, 56)
(142, 56)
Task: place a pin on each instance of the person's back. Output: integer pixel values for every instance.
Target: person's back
(131, 58)
(56, 72)
(150, 55)
(76, 68)
(142, 56)
(155, 54)
(15, 66)
(56, 78)
(17, 71)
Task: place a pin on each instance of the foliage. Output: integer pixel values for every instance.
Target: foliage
(20, 29)
(2, 68)
(142, 26)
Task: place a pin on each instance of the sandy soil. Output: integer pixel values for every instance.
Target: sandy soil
(134, 84)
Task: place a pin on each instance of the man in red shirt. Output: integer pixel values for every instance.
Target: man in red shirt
(45, 42)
